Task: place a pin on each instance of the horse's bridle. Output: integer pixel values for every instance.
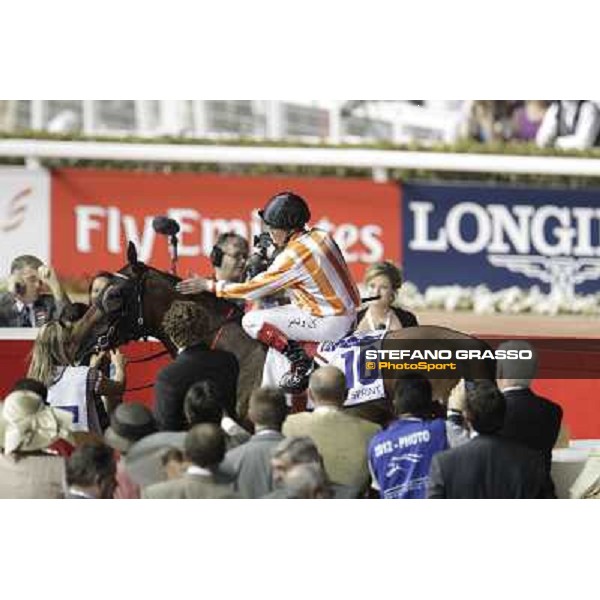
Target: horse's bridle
(131, 311)
(130, 288)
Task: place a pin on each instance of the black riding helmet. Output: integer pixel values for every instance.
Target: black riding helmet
(286, 210)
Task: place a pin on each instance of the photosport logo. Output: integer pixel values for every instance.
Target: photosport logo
(552, 237)
(471, 358)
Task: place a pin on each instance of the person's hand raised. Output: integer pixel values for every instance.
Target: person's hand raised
(458, 397)
(99, 360)
(118, 359)
(48, 276)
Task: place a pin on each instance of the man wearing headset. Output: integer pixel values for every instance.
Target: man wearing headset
(229, 256)
(310, 266)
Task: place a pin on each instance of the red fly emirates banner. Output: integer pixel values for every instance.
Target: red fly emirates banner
(95, 213)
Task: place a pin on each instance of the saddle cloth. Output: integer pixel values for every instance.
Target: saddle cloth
(345, 354)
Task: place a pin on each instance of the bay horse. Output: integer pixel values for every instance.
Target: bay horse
(133, 307)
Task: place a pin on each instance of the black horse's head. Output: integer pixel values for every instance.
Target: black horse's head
(122, 315)
(133, 304)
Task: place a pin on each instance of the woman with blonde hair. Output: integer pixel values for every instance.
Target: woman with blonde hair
(78, 389)
(384, 279)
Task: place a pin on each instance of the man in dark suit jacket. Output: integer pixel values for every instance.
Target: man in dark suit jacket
(250, 463)
(489, 466)
(530, 419)
(185, 323)
(24, 304)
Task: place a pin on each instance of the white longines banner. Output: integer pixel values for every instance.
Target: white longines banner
(24, 215)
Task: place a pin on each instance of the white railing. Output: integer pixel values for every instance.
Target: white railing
(18, 333)
(377, 160)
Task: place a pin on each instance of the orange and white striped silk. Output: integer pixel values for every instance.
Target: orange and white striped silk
(312, 269)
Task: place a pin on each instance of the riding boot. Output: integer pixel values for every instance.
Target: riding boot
(295, 380)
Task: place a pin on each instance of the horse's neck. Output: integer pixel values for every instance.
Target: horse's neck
(82, 329)
(232, 338)
(250, 356)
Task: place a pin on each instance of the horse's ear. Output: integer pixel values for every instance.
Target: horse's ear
(132, 256)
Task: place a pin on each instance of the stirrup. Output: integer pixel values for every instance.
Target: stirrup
(295, 382)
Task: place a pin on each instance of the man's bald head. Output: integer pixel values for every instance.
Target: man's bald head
(516, 372)
(327, 385)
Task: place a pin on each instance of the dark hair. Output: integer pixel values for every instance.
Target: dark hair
(71, 313)
(268, 407)
(232, 236)
(25, 260)
(31, 385)
(485, 407)
(185, 323)
(89, 464)
(413, 396)
(205, 445)
(201, 403)
(174, 454)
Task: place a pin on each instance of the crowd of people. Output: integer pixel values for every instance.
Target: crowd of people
(65, 432)
(494, 442)
(564, 124)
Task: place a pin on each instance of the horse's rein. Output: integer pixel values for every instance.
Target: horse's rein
(104, 341)
(228, 318)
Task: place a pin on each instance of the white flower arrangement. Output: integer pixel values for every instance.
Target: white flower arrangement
(481, 300)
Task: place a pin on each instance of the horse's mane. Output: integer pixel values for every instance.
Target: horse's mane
(210, 301)
(130, 269)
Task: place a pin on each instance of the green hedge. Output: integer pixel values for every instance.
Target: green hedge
(519, 149)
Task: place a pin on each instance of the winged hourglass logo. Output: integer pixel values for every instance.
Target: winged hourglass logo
(12, 212)
(563, 273)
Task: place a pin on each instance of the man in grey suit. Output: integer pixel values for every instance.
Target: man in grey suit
(250, 463)
(204, 448)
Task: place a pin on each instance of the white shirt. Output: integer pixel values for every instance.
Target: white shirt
(326, 409)
(77, 492)
(581, 135)
(512, 388)
(266, 431)
(196, 470)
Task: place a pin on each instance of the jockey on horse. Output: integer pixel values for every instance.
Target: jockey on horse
(312, 268)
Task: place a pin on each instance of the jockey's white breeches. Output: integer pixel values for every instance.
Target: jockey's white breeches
(297, 324)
